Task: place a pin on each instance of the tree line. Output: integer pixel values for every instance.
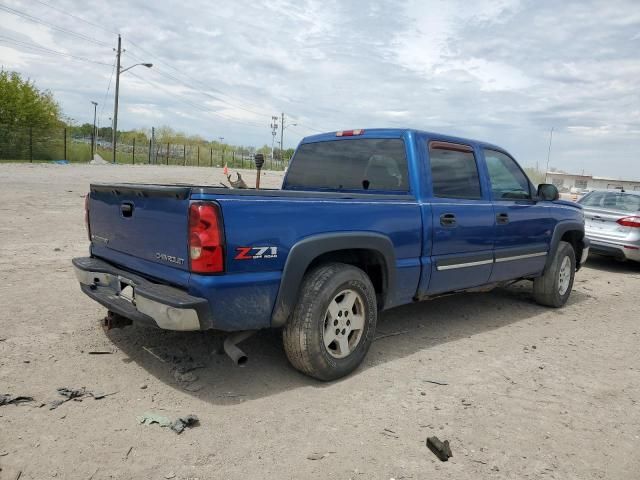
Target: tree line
(24, 107)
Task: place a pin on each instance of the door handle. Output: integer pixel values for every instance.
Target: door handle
(126, 208)
(502, 218)
(447, 220)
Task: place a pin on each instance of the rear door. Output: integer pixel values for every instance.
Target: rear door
(523, 224)
(462, 219)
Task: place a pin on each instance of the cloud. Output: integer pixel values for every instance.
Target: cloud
(504, 71)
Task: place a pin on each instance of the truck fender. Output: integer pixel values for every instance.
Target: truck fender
(308, 249)
(561, 228)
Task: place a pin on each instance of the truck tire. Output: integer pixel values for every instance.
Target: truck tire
(333, 323)
(553, 288)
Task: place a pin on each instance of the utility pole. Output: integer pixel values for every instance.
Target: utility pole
(274, 132)
(93, 132)
(115, 103)
(152, 147)
(282, 137)
(119, 71)
(548, 154)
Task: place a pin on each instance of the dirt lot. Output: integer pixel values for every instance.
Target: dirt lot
(530, 392)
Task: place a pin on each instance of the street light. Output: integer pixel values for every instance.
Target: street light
(120, 70)
(93, 132)
(223, 149)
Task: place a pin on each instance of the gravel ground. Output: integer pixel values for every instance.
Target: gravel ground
(528, 392)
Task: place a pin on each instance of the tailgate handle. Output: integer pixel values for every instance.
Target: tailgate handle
(126, 208)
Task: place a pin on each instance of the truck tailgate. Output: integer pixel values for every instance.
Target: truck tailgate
(149, 222)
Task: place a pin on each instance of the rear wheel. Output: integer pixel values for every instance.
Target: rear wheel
(554, 287)
(333, 323)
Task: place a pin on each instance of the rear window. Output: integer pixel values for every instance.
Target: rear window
(622, 202)
(362, 164)
(454, 174)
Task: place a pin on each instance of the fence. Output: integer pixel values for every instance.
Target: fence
(33, 144)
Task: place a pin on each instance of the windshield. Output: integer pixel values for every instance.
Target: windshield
(622, 202)
(362, 164)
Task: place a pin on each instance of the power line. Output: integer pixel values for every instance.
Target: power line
(194, 105)
(76, 17)
(52, 25)
(41, 49)
(183, 82)
(207, 87)
(104, 100)
(191, 87)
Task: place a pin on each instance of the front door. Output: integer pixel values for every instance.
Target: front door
(462, 220)
(523, 225)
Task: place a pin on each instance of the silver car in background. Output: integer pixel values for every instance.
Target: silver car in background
(612, 223)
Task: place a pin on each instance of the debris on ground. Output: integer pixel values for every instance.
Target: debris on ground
(76, 394)
(178, 426)
(100, 396)
(186, 377)
(392, 334)
(100, 352)
(188, 365)
(170, 475)
(181, 423)
(442, 450)
(389, 433)
(148, 418)
(6, 399)
(98, 160)
(318, 456)
(150, 352)
(435, 382)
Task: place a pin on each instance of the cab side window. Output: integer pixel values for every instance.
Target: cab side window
(454, 172)
(508, 182)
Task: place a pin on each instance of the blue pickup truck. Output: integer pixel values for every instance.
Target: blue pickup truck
(365, 221)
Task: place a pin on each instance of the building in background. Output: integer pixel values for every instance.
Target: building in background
(574, 183)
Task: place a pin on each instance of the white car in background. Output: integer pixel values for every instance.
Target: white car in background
(612, 223)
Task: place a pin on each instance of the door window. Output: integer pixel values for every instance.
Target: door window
(508, 181)
(454, 173)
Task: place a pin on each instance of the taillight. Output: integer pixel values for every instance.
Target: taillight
(206, 240)
(632, 221)
(86, 215)
(350, 133)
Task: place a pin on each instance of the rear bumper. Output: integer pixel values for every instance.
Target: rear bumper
(139, 299)
(620, 251)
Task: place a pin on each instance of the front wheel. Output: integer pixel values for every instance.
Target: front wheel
(333, 323)
(553, 288)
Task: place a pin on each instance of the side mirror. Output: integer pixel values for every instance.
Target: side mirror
(548, 192)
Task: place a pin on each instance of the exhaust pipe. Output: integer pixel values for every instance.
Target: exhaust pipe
(113, 320)
(230, 347)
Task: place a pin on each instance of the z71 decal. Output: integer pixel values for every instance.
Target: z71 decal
(256, 253)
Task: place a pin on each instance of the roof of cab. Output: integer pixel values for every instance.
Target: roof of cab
(396, 133)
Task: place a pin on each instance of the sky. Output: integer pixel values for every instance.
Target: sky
(502, 71)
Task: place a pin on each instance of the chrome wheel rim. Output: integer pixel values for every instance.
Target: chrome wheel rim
(344, 323)
(564, 276)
